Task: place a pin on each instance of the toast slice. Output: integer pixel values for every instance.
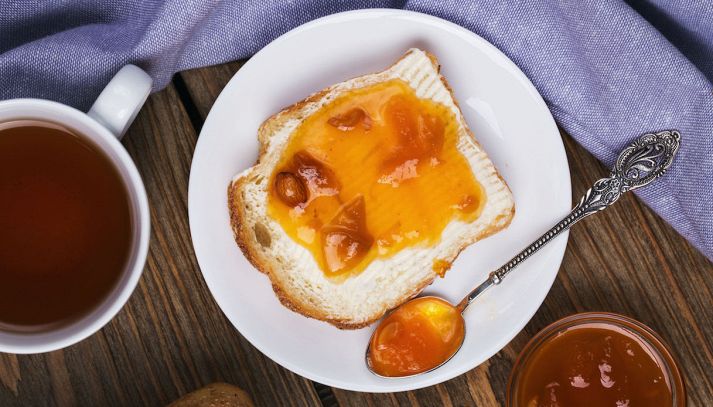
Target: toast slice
(358, 300)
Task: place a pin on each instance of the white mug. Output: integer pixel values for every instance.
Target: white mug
(103, 126)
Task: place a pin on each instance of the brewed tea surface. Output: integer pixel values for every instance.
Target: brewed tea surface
(65, 225)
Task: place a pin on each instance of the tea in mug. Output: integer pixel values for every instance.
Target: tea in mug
(65, 225)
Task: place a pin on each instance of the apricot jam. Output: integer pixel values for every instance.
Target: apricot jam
(596, 360)
(416, 337)
(370, 173)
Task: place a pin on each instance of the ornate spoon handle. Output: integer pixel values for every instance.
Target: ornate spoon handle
(640, 163)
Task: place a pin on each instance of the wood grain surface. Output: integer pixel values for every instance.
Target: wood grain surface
(171, 338)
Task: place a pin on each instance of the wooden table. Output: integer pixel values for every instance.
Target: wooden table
(172, 338)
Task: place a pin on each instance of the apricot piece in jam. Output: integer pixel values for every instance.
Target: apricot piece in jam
(302, 179)
(396, 151)
(418, 134)
(419, 138)
(349, 120)
(290, 189)
(345, 240)
(320, 180)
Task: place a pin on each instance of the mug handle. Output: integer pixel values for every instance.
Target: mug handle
(122, 98)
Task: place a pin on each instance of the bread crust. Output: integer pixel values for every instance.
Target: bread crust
(246, 238)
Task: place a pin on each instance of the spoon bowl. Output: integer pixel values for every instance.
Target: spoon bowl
(429, 328)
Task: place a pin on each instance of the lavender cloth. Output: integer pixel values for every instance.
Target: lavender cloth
(608, 69)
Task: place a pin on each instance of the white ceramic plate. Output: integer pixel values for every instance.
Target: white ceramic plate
(508, 117)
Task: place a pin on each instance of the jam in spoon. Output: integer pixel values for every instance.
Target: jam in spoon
(424, 333)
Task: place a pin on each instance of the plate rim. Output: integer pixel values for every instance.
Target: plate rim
(454, 29)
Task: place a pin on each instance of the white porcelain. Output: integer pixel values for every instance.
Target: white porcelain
(111, 115)
(508, 117)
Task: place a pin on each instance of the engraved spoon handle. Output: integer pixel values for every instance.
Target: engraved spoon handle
(640, 163)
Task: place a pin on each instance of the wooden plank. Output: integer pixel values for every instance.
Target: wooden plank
(171, 338)
(625, 260)
(205, 84)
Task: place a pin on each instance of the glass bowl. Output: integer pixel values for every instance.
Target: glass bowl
(646, 336)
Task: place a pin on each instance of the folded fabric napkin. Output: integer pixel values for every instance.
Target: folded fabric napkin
(609, 70)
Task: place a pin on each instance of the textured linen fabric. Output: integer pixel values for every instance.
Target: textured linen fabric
(609, 70)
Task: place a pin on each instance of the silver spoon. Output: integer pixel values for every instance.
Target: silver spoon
(639, 164)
